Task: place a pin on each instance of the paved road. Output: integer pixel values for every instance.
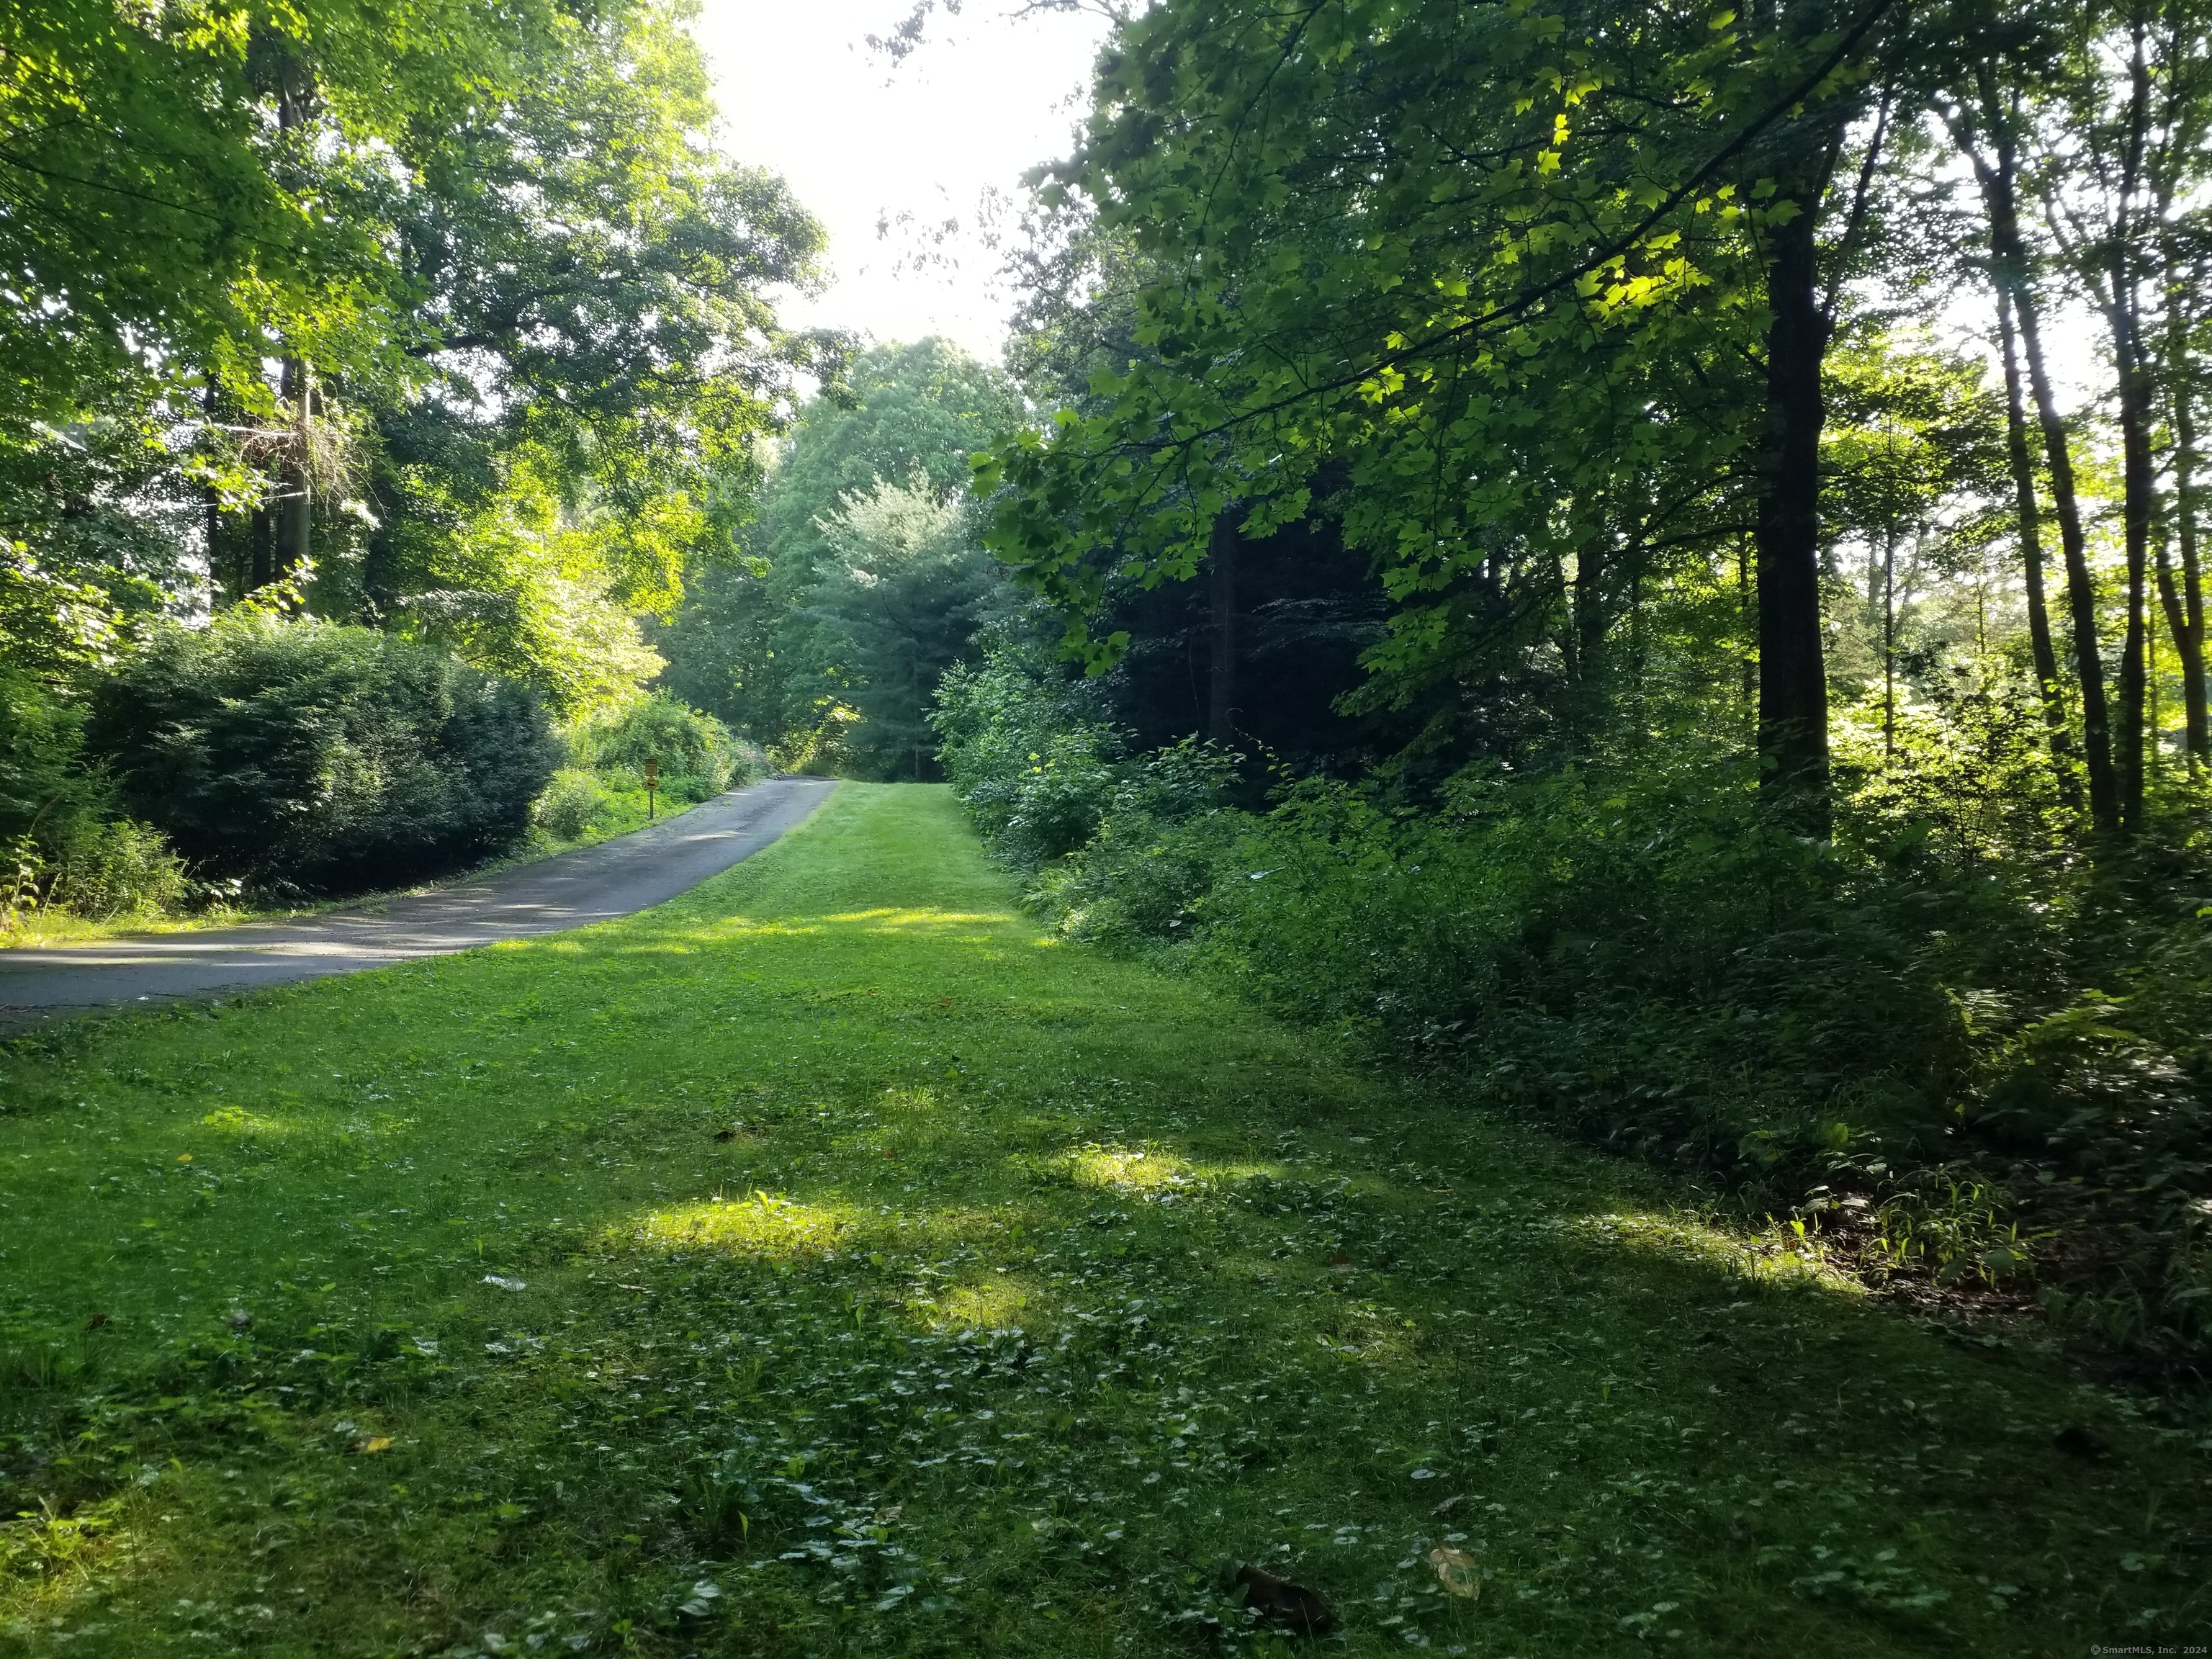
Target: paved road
(593, 883)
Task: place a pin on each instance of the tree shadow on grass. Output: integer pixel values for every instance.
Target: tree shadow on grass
(985, 1333)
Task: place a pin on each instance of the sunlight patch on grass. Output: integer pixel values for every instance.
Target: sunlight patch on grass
(998, 1303)
(1124, 1171)
(890, 921)
(236, 1120)
(1768, 1259)
(762, 1227)
(1119, 1169)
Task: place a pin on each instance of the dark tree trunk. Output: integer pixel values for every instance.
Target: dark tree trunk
(1748, 620)
(1889, 644)
(220, 576)
(2184, 601)
(1221, 690)
(1793, 692)
(2081, 593)
(2135, 515)
(2008, 268)
(261, 543)
(2123, 312)
(380, 564)
(296, 516)
(2030, 516)
(1590, 610)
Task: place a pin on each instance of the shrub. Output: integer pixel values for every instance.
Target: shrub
(1037, 776)
(44, 788)
(1166, 836)
(64, 850)
(311, 755)
(573, 804)
(1930, 1036)
(117, 869)
(698, 757)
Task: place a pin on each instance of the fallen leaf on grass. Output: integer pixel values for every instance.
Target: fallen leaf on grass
(1455, 1570)
(377, 1443)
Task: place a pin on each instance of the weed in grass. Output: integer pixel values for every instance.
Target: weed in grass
(1034, 1295)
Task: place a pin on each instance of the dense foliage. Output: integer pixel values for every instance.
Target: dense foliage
(318, 756)
(1590, 577)
(602, 785)
(864, 577)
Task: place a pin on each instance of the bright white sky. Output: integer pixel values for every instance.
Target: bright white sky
(987, 96)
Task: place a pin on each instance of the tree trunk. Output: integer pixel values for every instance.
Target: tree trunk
(1748, 620)
(1793, 692)
(261, 544)
(218, 553)
(2137, 486)
(1221, 690)
(2008, 268)
(2030, 516)
(2081, 593)
(1589, 625)
(295, 514)
(1889, 644)
(2184, 610)
(2123, 312)
(379, 563)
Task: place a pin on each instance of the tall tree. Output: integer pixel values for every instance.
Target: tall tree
(1382, 235)
(1984, 122)
(759, 642)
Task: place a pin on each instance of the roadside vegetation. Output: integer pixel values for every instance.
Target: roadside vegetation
(831, 1262)
(337, 491)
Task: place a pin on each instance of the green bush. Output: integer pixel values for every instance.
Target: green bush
(698, 757)
(117, 869)
(65, 850)
(1038, 777)
(573, 804)
(313, 756)
(1166, 836)
(45, 791)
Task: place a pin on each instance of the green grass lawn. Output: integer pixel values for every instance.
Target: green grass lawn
(826, 1264)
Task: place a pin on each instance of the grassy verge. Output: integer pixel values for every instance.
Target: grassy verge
(824, 1264)
(623, 814)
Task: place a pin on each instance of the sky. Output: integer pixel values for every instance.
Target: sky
(863, 141)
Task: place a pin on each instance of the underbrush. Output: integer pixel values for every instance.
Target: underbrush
(1935, 1044)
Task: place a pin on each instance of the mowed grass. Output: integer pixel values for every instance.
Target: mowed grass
(826, 1264)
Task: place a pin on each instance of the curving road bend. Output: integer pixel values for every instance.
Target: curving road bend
(593, 883)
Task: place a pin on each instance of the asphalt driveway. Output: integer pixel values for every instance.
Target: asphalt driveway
(593, 884)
